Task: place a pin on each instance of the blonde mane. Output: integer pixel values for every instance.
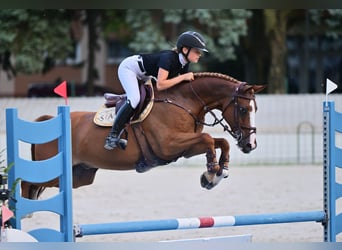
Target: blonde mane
(217, 75)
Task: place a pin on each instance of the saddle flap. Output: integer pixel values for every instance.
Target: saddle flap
(105, 116)
(146, 102)
(146, 93)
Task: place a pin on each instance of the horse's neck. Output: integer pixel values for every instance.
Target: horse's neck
(212, 90)
(203, 92)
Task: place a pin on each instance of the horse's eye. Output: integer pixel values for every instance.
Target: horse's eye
(243, 111)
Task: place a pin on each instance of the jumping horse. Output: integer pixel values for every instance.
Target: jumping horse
(173, 129)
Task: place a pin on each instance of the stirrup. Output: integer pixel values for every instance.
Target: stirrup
(122, 144)
(113, 142)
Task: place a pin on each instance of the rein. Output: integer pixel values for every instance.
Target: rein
(235, 131)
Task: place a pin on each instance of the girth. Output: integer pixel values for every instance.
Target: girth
(148, 159)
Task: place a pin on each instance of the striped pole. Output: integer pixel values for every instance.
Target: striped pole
(197, 222)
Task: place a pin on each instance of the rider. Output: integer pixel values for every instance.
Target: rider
(170, 67)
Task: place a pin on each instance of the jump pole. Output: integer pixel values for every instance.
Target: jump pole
(195, 223)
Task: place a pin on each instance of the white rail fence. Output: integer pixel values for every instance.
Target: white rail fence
(289, 127)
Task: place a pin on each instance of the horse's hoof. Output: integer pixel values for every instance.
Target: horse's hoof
(205, 183)
(142, 167)
(210, 180)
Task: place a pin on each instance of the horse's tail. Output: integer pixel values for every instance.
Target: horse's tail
(33, 148)
(33, 152)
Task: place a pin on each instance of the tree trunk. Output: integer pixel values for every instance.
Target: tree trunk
(276, 26)
(256, 53)
(92, 16)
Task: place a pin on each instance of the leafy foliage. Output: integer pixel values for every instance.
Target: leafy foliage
(220, 28)
(32, 35)
(330, 20)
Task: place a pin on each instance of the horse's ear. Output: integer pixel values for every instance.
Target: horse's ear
(258, 88)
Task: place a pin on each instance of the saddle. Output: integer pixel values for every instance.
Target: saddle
(105, 116)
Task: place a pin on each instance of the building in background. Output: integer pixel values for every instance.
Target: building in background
(73, 69)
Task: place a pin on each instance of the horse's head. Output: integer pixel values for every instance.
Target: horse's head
(239, 112)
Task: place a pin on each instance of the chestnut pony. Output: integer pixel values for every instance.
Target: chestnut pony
(173, 129)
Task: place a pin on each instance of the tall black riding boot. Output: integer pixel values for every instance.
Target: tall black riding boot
(123, 116)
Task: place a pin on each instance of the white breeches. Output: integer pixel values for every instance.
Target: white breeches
(129, 73)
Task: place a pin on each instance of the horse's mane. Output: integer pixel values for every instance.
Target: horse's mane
(217, 75)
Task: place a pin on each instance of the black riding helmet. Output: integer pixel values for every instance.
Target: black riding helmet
(191, 39)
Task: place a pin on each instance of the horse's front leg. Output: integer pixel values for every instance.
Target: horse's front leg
(224, 158)
(215, 174)
(189, 144)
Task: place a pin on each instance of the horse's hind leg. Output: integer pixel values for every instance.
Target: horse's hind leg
(82, 176)
(30, 190)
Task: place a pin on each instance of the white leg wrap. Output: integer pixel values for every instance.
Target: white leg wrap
(213, 179)
(217, 179)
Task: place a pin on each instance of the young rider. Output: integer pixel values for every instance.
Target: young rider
(170, 67)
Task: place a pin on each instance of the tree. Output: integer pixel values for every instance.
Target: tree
(93, 19)
(275, 31)
(151, 30)
(38, 38)
(261, 33)
(266, 43)
(33, 36)
(330, 20)
(158, 29)
(28, 36)
(266, 49)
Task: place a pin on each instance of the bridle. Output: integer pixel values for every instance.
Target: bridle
(236, 130)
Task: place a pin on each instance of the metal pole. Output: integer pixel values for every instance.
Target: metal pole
(201, 222)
